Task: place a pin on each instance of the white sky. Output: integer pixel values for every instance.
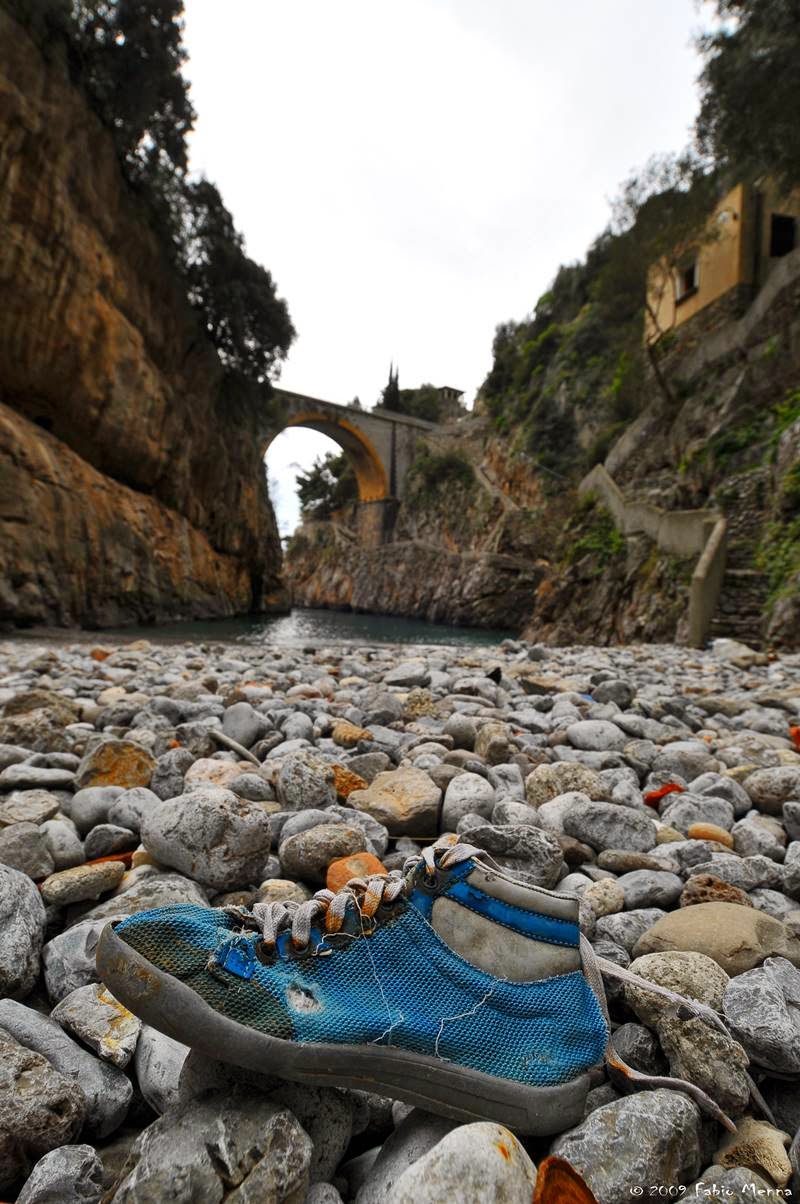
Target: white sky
(413, 172)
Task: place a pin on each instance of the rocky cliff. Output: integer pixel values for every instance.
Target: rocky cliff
(513, 542)
(131, 478)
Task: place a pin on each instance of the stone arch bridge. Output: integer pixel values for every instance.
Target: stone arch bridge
(380, 446)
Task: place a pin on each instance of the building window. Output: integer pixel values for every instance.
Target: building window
(686, 281)
(781, 235)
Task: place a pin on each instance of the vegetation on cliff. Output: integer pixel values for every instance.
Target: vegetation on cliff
(750, 89)
(424, 402)
(329, 485)
(128, 56)
(568, 379)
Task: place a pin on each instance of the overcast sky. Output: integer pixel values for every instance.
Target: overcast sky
(413, 172)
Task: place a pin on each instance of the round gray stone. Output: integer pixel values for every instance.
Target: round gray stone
(607, 826)
(129, 809)
(655, 1137)
(469, 793)
(63, 842)
(650, 888)
(218, 839)
(107, 1090)
(72, 1174)
(40, 1109)
(762, 1007)
(22, 925)
(24, 847)
(305, 780)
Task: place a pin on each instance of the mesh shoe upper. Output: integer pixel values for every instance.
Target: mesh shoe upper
(401, 985)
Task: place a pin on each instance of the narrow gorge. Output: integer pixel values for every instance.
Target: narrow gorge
(132, 486)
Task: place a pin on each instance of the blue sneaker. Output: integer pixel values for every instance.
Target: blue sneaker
(455, 988)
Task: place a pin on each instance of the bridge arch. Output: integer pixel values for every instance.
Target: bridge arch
(371, 475)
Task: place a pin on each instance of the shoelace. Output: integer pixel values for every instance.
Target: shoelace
(366, 895)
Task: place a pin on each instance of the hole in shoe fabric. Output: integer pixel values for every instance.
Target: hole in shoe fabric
(301, 999)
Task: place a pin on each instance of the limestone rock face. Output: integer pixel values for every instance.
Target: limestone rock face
(411, 577)
(120, 500)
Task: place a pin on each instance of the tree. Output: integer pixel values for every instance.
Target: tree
(131, 57)
(245, 319)
(661, 218)
(750, 90)
(128, 55)
(328, 485)
(390, 394)
(423, 402)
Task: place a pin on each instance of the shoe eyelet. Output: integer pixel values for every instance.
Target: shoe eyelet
(296, 953)
(266, 954)
(431, 884)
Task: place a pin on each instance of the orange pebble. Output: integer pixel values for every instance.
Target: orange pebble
(357, 865)
(654, 797)
(100, 654)
(559, 1183)
(346, 781)
(710, 832)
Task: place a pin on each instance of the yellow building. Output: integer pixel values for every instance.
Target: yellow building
(753, 227)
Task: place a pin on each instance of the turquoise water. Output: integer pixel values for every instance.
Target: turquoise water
(315, 627)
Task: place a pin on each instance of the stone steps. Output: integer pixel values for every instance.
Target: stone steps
(742, 606)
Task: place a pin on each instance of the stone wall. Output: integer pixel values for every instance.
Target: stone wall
(99, 347)
(328, 569)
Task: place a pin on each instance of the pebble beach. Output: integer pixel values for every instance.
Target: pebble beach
(660, 784)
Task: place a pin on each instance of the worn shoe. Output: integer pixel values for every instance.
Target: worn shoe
(455, 988)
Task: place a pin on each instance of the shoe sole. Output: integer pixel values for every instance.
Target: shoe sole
(458, 1092)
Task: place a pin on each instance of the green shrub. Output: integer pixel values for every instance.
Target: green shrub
(600, 538)
(434, 471)
(779, 554)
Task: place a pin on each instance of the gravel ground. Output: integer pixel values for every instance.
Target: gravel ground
(660, 784)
